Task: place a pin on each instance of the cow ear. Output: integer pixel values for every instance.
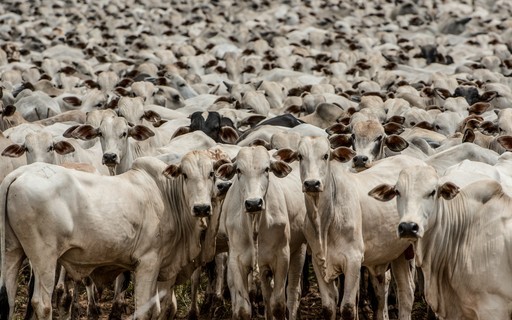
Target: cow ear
(396, 143)
(286, 155)
(172, 171)
(479, 108)
(342, 154)
(228, 85)
(442, 93)
(261, 142)
(14, 151)
(293, 109)
(158, 123)
(393, 128)
(86, 132)
(469, 136)
(424, 125)
(220, 162)
(252, 120)
(226, 171)
(151, 116)
(8, 111)
(448, 190)
(280, 168)
(63, 147)
(69, 132)
(74, 101)
(140, 133)
(505, 142)
(228, 135)
(180, 131)
(340, 140)
(488, 127)
(383, 192)
(488, 96)
(396, 119)
(338, 128)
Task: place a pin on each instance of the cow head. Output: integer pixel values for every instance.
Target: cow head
(39, 147)
(252, 167)
(113, 133)
(369, 139)
(315, 154)
(199, 186)
(416, 191)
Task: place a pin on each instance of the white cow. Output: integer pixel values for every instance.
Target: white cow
(345, 228)
(149, 225)
(462, 239)
(263, 215)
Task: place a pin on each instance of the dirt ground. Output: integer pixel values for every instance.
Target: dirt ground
(310, 305)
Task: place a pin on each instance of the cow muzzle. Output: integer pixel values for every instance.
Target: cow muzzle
(360, 162)
(223, 187)
(202, 210)
(254, 205)
(312, 186)
(408, 230)
(110, 159)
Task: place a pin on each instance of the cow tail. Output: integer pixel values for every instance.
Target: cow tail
(30, 309)
(4, 299)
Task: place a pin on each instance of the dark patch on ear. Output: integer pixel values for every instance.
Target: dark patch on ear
(14, 151)
(488, 96)
(424, 125)
(63, 147)
(396, 143)
(286, 155)
(140, 133)
(442, 93)
(469, 136)
(488, 127)
(172, 171)
(479, 108)
(280, 168)
(341, 140)
(448, 191)
(342, 154)
(260, 142)
(69, 132)
(383, 192)
(396, 119)
(338, 128)
(228, 135)
(226, 171)
(158, 123)
(8, 111)
(74, 101)
(252, 120)
(220, 162)
(86, 132)
(180, 131)
(393, 128)
(505, 142)
(151, 116)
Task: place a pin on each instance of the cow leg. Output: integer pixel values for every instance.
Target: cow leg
(266, 290)
(44, 276)
(380, 280)
(194, 309)
(167, 300)
(93, 310)
(328, 292)
(238, 284)
(120, 287)
(218, 283)
(8, 281)
(293, 290)
(348, 307)
(404, 272)
(146, 295)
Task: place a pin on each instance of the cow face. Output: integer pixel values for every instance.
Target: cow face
(113, 133)
(369, 139)
(252, 169)
(416, 192)
(197, 171)
(39, 147)
(315, 154)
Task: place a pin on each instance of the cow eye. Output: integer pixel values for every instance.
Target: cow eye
(397, 193)
(432, 193)
(181, 85)
(185, 176)
(50, 148)
(325, 157)
(300, 157)
(123, 135)
(238, 171)
(212, 174)
(378, 138)
(267, 169)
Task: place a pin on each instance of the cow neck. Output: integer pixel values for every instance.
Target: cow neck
(125, 163)
(441, 249)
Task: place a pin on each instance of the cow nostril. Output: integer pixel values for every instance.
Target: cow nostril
(364, 158)
(415, 228)
(401, 228)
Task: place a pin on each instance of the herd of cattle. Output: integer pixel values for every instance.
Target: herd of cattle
(154, 137)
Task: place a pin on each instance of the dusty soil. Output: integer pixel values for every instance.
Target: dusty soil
(310, 305)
